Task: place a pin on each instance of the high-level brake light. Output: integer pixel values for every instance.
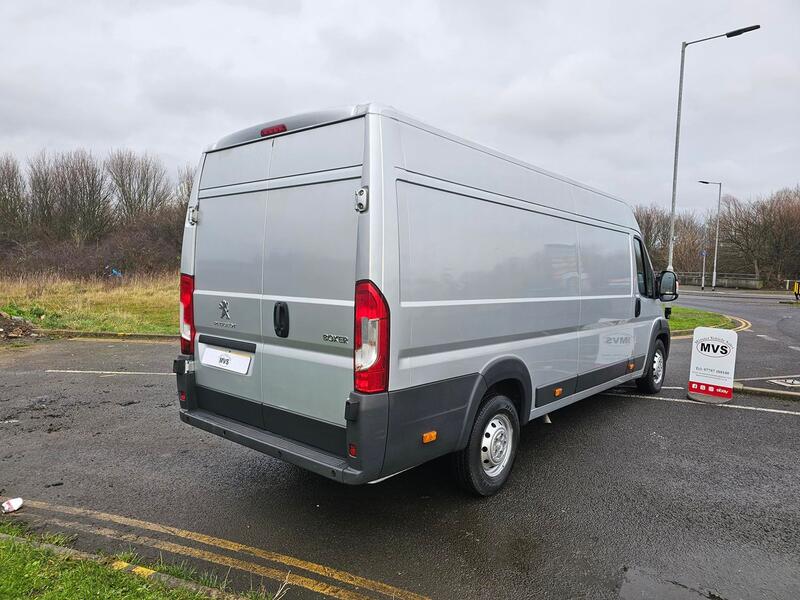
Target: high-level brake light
(273, 130)
(187, 314)
(371, 339)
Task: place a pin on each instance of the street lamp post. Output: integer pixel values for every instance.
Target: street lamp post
(684, 45)
(703, 276)
(716, 237)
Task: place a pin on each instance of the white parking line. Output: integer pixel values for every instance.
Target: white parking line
(767, 377)
(107, 372)
(671, 387)
(766, 337)
(794, 348)
(687, 401)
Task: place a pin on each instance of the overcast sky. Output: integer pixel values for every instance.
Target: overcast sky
(586, 89)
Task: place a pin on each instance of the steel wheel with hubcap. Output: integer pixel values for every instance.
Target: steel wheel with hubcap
(498, 438)
(485, 464)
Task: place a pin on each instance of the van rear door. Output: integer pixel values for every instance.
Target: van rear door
(229, 242)
(276, 250)
(309, 277)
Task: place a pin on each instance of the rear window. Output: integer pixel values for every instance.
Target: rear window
(320, 149)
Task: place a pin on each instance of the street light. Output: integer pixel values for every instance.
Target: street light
(716, 238)
(730, 34)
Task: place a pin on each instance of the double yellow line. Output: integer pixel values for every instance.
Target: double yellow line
(360, 583)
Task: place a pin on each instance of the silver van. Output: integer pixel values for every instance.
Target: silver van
(361, 293)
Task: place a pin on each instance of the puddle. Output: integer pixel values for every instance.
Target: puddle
(638, 584)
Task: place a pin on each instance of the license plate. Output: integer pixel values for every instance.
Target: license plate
(228, 360)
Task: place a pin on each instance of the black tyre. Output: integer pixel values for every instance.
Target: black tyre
(484, 465)
(653, 378)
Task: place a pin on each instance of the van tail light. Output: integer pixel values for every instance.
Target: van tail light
(371, 338)
(187, 314)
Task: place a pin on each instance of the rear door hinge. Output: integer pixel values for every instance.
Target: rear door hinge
(362, 199)
(193, 214)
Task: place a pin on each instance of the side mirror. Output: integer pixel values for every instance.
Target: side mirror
(667, 286)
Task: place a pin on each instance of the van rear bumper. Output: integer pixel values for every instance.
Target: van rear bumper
(383, 429)
(307, 457)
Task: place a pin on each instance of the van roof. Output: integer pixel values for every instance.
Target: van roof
(332, 115)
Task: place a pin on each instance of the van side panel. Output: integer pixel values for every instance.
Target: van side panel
(440, 157)
(606, 330)
(190, 228)
(480, 280)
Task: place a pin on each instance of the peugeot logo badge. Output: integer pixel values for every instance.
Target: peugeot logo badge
(223, 306)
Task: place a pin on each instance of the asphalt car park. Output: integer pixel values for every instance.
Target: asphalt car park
(622, 495)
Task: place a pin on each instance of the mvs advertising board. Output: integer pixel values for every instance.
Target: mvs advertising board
(713, 363)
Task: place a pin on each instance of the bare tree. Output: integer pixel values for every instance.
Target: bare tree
(739, 225)
(779, 225)
(139, 184)
(764, 233)
(14, 209)
(654, 224)
(83, 207)
(690, 241)
(42, 192)
(183, 188)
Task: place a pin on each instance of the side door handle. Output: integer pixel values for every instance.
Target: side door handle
(280, 319)
(638, 307)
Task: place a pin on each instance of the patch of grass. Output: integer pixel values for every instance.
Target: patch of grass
(15, 528)
(185, 570)
(135, 304)
(128, 556)
(684, 318)
(22, 529)
(61, 585)
(28, 572)
(182, 570)
(58, 539)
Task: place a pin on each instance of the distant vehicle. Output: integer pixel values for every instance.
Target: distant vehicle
(361, 293)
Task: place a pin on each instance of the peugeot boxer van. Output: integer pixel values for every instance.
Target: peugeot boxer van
(361, 293)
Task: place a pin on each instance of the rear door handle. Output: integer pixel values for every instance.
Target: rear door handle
(638, 308)
(280, 318)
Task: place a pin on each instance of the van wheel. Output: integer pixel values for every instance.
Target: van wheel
(653, 378)
(484, 465)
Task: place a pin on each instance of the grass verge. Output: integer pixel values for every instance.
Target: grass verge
(54, 576)
(136, 304)
(30, 572)
(684, 319)
(188, 572)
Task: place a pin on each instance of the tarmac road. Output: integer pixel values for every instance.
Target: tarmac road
(772, 345)
(621, 497)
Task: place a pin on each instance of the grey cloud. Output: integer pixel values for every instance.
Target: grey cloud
(586, 89)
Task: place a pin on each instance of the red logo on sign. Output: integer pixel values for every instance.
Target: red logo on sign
(709, 389)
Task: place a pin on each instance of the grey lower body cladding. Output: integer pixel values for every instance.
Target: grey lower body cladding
(386, 429)
(546, 394)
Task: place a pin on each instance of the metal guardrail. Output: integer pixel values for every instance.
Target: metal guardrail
(729, 275)
(723, 280)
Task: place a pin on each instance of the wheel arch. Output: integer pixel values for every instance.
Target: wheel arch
(659, 331)
(509, 376)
